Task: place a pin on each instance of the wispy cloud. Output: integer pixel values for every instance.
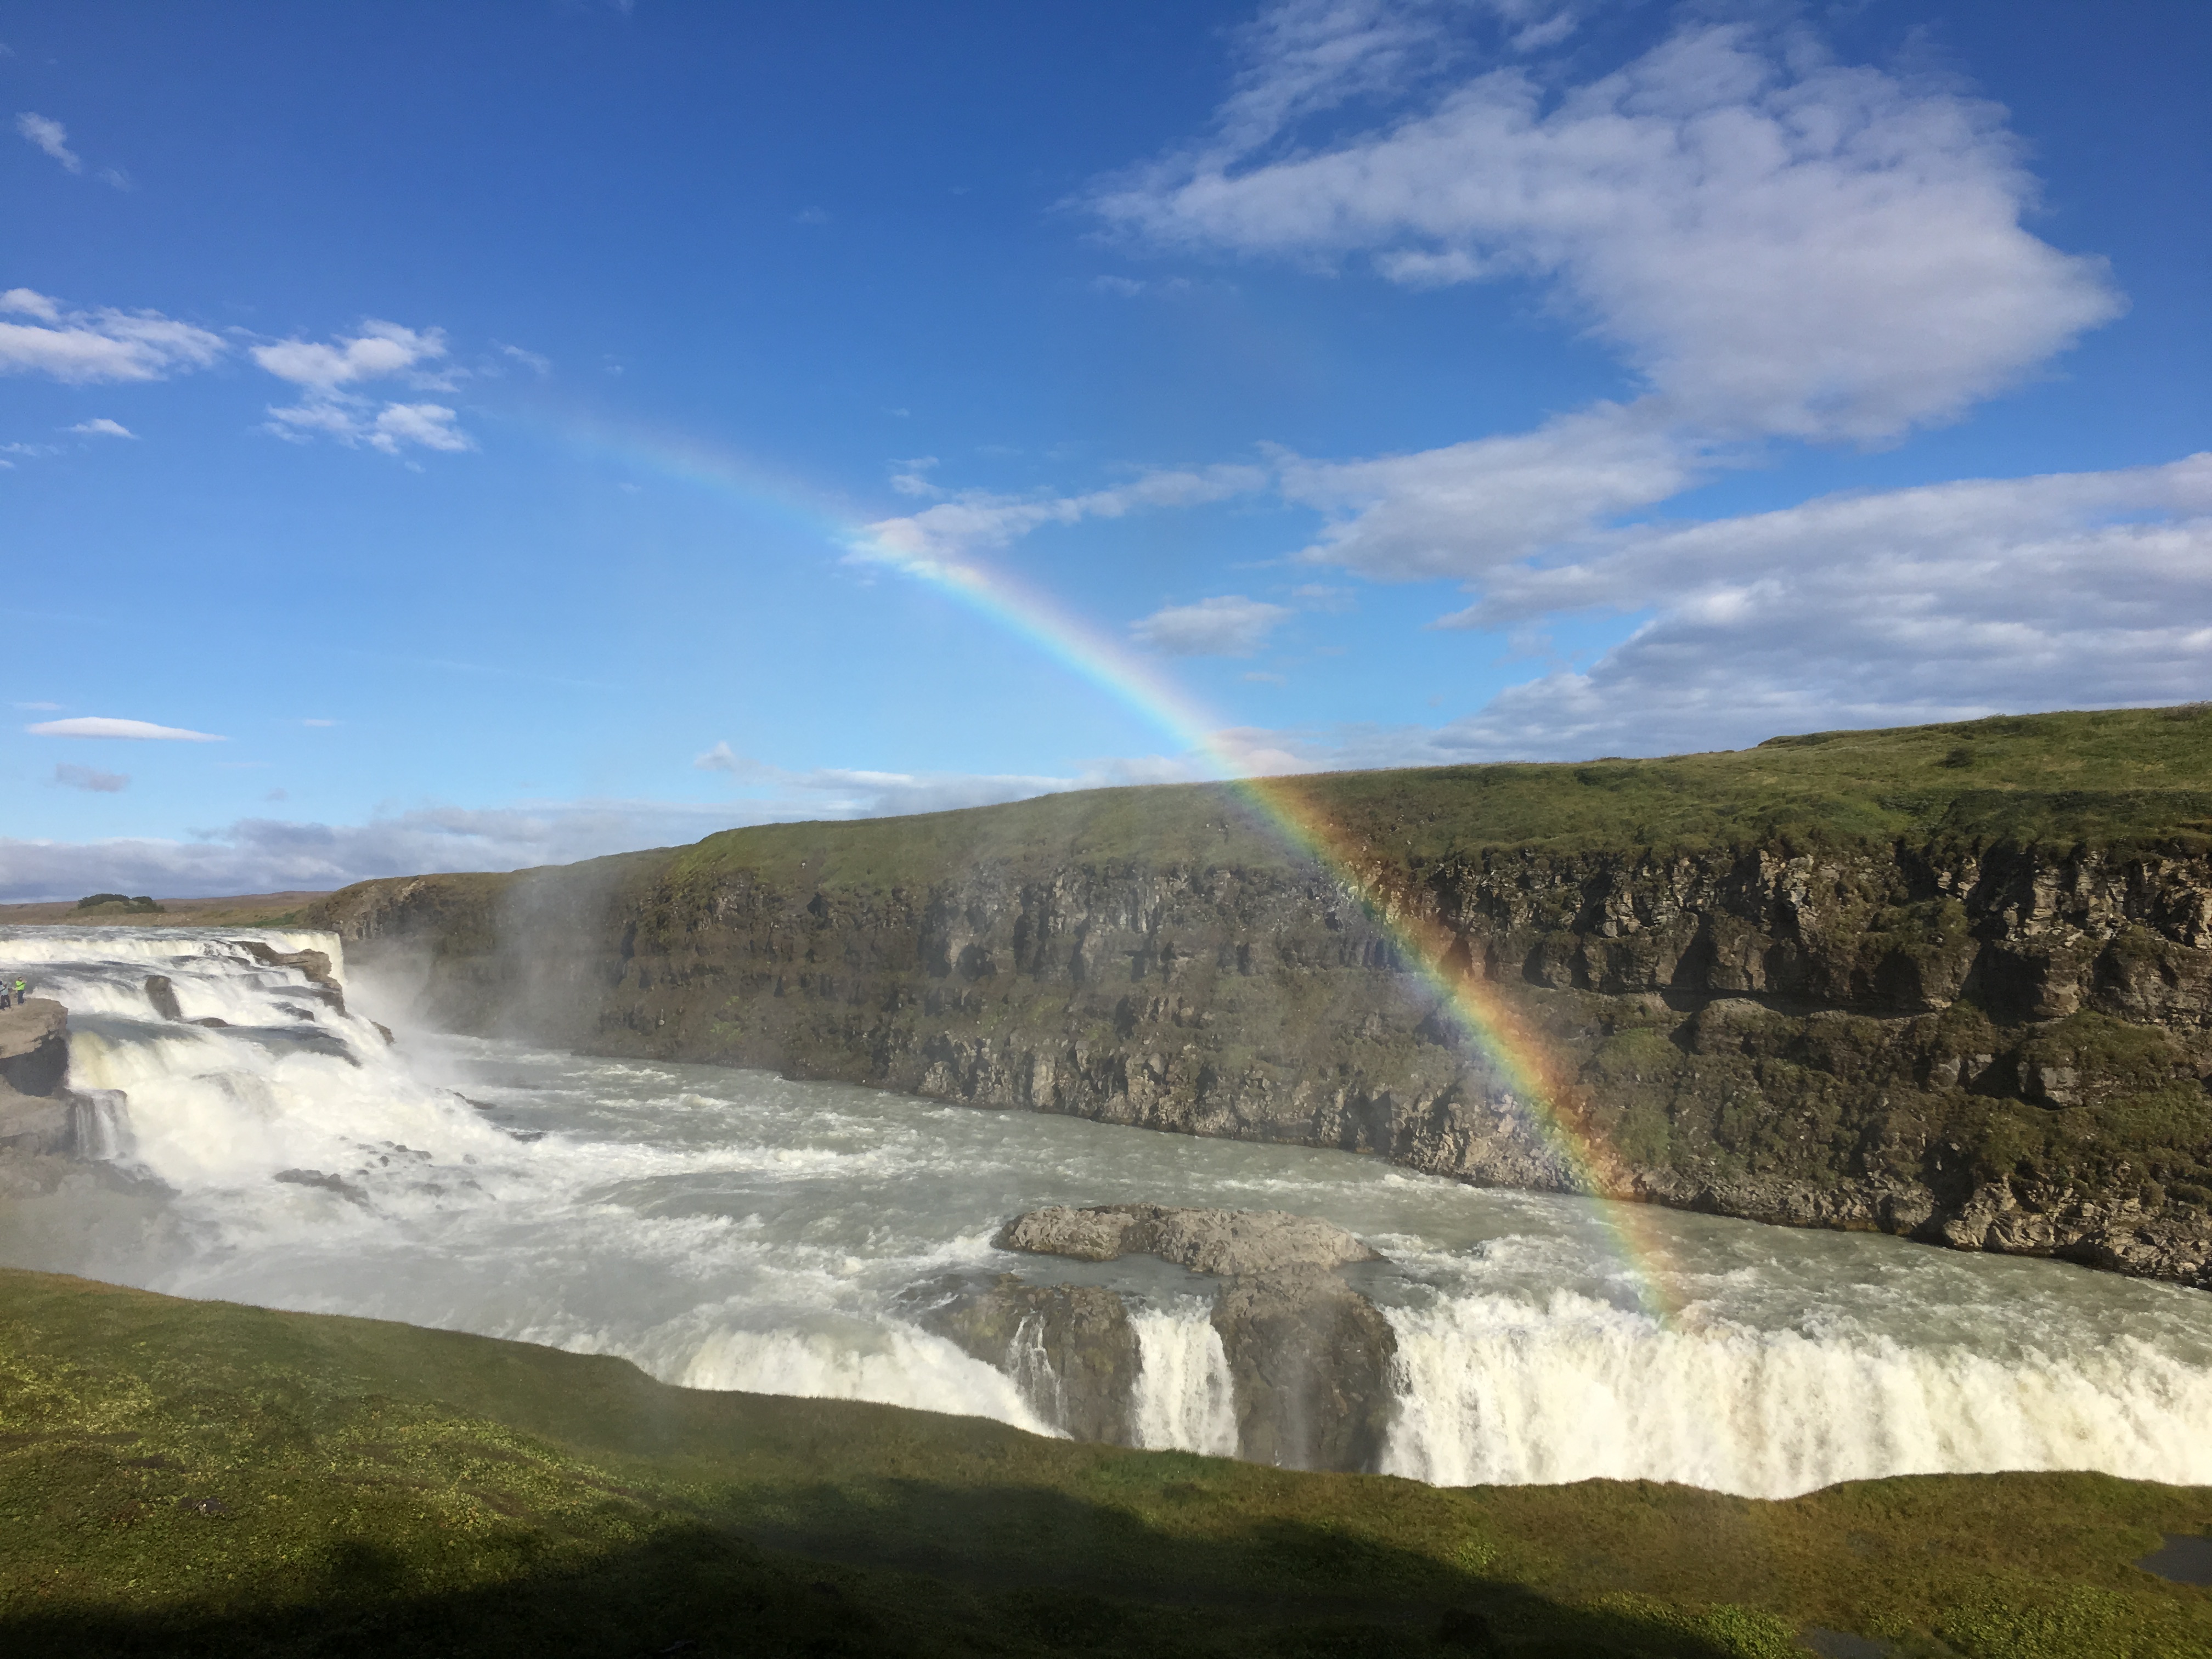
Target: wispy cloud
(968, 520)
(52, 136)
(848, 792)
(86, 777)
(1229, 625)
(100, 725)
(83, 347)
(262, 855)
(101, 427)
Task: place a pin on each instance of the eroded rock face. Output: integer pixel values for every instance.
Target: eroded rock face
(40, 1119)
(1070, 1347)
(1308, 1356)
(34, 1047)
(1984, 1045)
(1218, 1242)
(1310, 1359)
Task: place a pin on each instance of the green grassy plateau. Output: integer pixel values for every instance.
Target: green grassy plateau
(182, 1478)
(2122, 780)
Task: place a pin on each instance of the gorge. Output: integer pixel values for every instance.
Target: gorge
(1950, 982)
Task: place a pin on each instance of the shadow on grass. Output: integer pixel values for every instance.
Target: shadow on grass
(854, 1581)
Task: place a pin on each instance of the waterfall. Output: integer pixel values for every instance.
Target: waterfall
(731, 1230)
(1494, 1390)
(1184, 1392)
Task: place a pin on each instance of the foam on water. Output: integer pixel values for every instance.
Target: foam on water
(733, 1230)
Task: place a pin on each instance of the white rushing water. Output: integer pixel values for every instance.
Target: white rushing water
(730, 1230)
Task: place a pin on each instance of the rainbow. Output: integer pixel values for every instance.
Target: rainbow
(1489, 1023)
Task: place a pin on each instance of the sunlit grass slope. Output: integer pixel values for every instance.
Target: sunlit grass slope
(2120, 779)
(180, 1477)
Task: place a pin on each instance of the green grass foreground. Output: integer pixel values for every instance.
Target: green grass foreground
(187, 1477)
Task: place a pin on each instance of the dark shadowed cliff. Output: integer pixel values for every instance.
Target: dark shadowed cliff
(1948, 982)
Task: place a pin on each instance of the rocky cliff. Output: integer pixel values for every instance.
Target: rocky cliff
(1951, 983)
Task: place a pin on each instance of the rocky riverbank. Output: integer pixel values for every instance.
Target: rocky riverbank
(1894, 981)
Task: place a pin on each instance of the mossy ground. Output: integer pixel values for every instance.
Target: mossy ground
(180, 1477)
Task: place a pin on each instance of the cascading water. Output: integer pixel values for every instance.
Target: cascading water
(732, 1229)
(1184, 1391)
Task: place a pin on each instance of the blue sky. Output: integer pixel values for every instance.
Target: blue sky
(461, 437)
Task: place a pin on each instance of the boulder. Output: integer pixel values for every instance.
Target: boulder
(1223, 1242)
(163, 995)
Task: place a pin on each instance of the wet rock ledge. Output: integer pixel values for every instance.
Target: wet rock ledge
(43, 1123)
(1308, 1356)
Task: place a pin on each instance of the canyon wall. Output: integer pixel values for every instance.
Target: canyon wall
(1990, 1045)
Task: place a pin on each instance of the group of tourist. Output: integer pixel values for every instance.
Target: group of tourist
(12, 996)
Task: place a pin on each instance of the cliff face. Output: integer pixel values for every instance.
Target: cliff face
(1983, 1043)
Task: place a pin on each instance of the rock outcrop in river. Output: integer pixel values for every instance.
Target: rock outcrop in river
(1949, 982)
(46, 1125)
(1307, 1357)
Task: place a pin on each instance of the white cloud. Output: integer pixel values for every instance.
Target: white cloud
(974, 518)
(266, 855)
(88, 777)
(1779, 246)
(537, 363)
(52, 136)
(1945, 602)
(102, 427)
(1304, 57)
(912, 476)
(430, 425)
(845, 791)
(1463, 509)
(83, 347)
(381, 350)
(1229, 625)
(100, 726)
(854, 793)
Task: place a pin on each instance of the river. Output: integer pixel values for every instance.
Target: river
(733, 1230)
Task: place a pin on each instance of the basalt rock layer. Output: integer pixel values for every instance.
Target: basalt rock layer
(1950, 982)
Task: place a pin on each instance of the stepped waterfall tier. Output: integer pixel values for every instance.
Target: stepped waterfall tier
(260, 1140)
